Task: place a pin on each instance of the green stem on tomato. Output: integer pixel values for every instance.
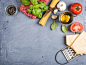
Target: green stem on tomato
(76, 32)
(77, 8)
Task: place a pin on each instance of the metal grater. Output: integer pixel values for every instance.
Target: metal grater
(68, 53)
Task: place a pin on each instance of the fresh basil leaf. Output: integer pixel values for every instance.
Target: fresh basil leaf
(31, 6)
(54, 26)
(40, 15)
(42, 5)
(36, 12)
(40, 2)
(36, 6)
(34, 2)
(64, 29)
(25, 2)
(45, 8)
(29, 11)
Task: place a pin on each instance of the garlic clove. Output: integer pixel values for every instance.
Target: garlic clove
(61, 6)
(54, 16)
(55, 11)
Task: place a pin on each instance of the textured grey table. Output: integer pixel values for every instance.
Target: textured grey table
(24, 42)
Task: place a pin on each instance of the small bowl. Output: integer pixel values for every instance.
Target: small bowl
(66, 13)
(7, 7)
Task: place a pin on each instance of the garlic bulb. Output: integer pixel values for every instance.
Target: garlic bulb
(55, 11)
(54, 16)
(61, 6)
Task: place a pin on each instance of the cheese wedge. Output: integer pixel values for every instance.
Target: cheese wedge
(79, 45)
(70, 39)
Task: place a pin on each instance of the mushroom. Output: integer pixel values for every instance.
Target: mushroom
(54, 16)
(61, 6)
(55, 11)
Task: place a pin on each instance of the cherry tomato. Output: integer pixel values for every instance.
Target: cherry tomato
(76, 8)
(76, 27)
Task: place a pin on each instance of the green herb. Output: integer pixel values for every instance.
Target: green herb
(40, 2)
(36, 6)
(64, 29)
(25, 2)
(54, 26)
(36, 12)
(34, 2)
(31, 6)
(40, 15)
(42, 5)
(45, 8)
(29, 11)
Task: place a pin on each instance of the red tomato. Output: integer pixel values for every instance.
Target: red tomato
(76, 27)
(76, 8)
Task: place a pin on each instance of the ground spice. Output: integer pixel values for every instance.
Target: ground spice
(11, 10)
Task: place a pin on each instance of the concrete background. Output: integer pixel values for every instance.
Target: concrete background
(24, 42)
